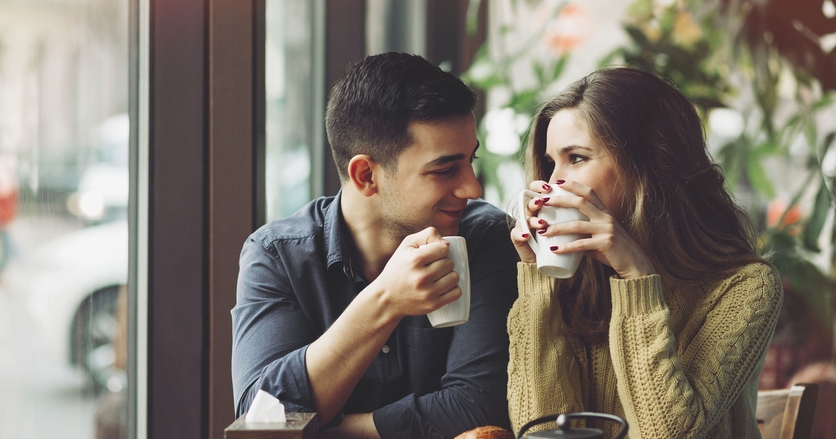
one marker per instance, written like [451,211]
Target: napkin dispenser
[265,408]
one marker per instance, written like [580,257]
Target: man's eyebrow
[443,160]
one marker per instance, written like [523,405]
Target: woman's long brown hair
[678,209]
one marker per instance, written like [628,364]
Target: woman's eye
[574,158]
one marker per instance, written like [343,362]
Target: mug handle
[522,220]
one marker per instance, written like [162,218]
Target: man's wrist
[383,316]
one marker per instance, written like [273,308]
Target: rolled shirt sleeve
[270,335]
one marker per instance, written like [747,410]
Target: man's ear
[362,173]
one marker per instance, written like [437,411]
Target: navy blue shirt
[296,278]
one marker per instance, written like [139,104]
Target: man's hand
[419,278]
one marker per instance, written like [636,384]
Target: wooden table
[298,426]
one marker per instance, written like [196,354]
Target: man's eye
[442,171]
[473,157]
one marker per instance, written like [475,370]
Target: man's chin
[443,224]
[447,228]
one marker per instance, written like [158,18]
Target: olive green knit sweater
[679,362]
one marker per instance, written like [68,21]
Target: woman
[667,320]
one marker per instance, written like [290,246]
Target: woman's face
[580,158]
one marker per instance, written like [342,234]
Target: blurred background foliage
[504,127]
[762,74]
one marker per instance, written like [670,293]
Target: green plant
[669,43]
[689,44]
[491,71]
[772,42]
[723,54]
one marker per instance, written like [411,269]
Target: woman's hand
[520,236]
[607,241]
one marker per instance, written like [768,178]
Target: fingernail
[546,199]
[541,222]
[537,201]
[553,248]
[541,231]
[546,187]
[560,181]
[525,235]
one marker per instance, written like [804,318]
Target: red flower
[571,28]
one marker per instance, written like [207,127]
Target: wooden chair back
[787,413]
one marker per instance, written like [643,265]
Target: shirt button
[385,349]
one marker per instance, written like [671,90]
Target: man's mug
[458,311]
[561,266]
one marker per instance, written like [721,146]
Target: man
[332,301]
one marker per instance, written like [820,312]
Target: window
[294,111]
[63,224]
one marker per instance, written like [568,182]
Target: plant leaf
[758,178]
[815,224]
[559,66]
[638,36]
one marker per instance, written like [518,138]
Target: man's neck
[371,246]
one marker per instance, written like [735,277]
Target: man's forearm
[356,426]
[337,360]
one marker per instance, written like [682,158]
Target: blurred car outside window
[63,224]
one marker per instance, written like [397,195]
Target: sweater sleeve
[683,393]
[543,376]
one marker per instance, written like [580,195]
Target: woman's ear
[361,173]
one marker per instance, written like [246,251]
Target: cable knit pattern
[680,361]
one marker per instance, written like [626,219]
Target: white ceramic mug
[458,311]
[561,266]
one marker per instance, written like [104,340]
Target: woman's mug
[561,266]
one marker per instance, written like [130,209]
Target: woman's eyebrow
[569,148]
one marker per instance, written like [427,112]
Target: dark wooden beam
[345,42]
[178,227]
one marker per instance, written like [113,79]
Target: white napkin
[265,408]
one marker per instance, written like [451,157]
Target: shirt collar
[334,228]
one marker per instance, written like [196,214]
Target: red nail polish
[541,231]
[546,199]
[541,222]
[547,187]
[525,235]
[560,181]
[553,248]
[537,201]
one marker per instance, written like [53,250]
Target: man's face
[433,179]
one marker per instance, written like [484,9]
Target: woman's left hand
[608,242]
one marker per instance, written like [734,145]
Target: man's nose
[469,187]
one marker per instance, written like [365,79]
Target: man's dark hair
[370,108]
